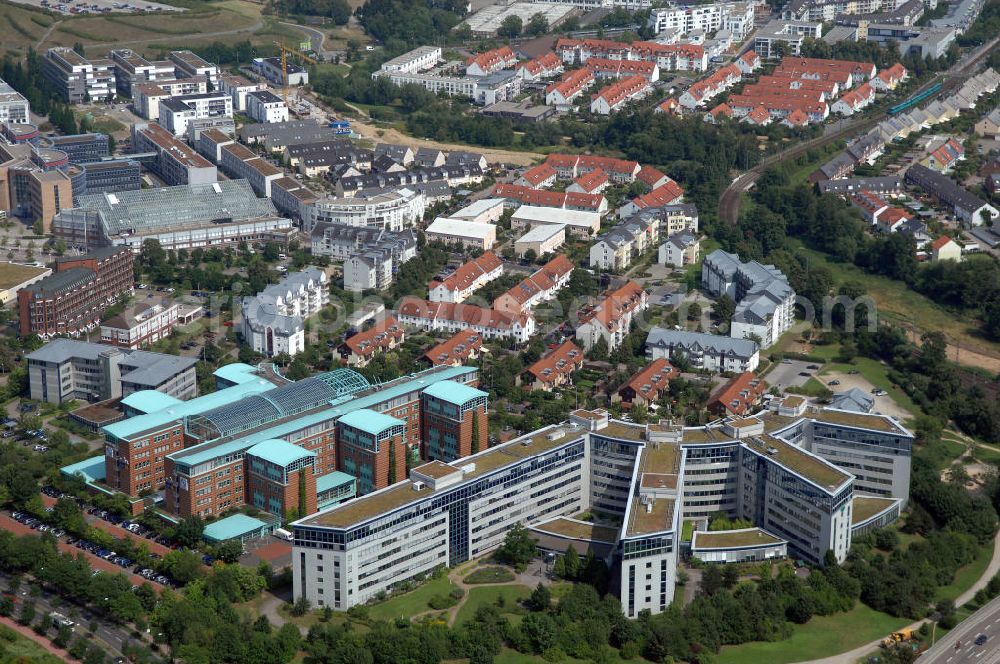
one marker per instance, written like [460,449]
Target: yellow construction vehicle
[897,637]
[285,51]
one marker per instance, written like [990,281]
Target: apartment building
[790,33]
[765,302]
[238,87]
[517,195]
[66,369]
[668,57]
[265,106]
[392,211]
[419,59]
[465,280]
[175,113]
[735,17]
[341,241]
[271,69]
[144,324]
[702,350]
[360,348]
[73,299]
[76,78]
[482,64]
[468,234]
[540,240]
[554,369]
[175,162]
[612,98]
[464,346]
[240,162]
[617,69]
[611,318]
[577,223]
[542,286]
[646,387]
[542,67]
[452,317]
[274,319]
[569,87]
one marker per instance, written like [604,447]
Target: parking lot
[791,373]
[99,6]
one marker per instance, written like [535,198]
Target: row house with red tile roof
[606,68]
[854,101]
[517,195]
[719,113]
[468,278]
[541,176]
[648,385]
[847,72]
[453,317]
[611,318]
[892,220]
[652,177]
[541,286]
[943,152]
[554,369]
[749,62]
[360,349]
[571,166]
[827,89]
[569,87]
[490,61]
[615,96]
[889,79]
[673,57]
[594,182]
[545,66]
[466,345]
[711,86]
[870,205]
[578,51]
[778,107]
[669,105]
[668,193]
[739,396]
[759,117]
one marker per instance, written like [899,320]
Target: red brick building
[281,478]
[370,446]
[72,300]
[454,421]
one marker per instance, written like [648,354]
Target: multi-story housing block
[765,301]
[273,320]
[77,79]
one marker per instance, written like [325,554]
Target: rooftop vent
[418,486]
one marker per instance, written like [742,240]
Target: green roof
[454,392]
[279,452]
[140,423]
[149,401]
[92,469]
[236,373]
[331,480]
[370,421]
[207,451]
[231,527]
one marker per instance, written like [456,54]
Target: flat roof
[435,469]
[149,401]
[732,539]
[231,527]
[656,518]
[553,215]
[463,228]
[237,373]
[14,274]
[454,392]
[279,452]
[375,505]
[333,480]
[92,469]
[542,232]
[577,529]
[809,466]
[865,507]
[860,420]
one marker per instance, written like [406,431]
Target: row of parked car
[37,524]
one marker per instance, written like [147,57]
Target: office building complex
[76,78]
[274,319]
[13,105]
[176,112]
[181,217]
[771,469]
[265,106]
[175,162]
[34,183]
[65,369]
[73,299]
[143,325]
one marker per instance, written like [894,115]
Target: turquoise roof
[332,480]
[92,469]
[347,404]
[236,373]
[140,423]
[453,392]
[279,452]
[369,420]
[231,527]
[149,401]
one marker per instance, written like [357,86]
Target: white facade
[264,106]
[176,112]
[419,59]
[274,320]
[765,302]
[736,17]
[469,234]
[392,211]
[144,328]
[706,351]
[13,105]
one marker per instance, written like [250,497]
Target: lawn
[968,575]
[488,595]
[687,531]
[22,649]
[811,388]
[820,637]
[508,656]
[413,602]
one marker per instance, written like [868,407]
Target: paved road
[959,647]
[785,375]
[729,201]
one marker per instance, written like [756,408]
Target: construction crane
[284,66]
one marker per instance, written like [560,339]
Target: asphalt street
[959,646]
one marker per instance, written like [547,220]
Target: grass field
[412,602]
[488,595]
[17,648]
[12,274]
[820,637]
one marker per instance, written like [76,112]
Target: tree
[229,551]
[510,27]
[724,308]
[537,25]
[300,607]
[475,432]
[518,549]
[188,531]
[540,598]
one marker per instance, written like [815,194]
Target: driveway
[787,374]
[884,404]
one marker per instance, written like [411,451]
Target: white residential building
[467,279]
[710,352]
[176,112]
[13,105]
[470,234]
[265,106]
[393,210]
[274,320]
[765,302]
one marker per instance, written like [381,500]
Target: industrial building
[181,217]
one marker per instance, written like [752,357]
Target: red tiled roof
[538,174]
[491,60]
[572,82]
[592,180]
[548,62]
[558,363]
[797,118]
[649,176]
[740,393]
[941,242]
[759,115]
[622,67]
[468,273]
[652,380]
[750,57]
[544,279]
[380,336]
[611,310]
[669,105]
[543,198]
[665,194]
[721,109]
[624,89]
[455,350]
[469,314]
